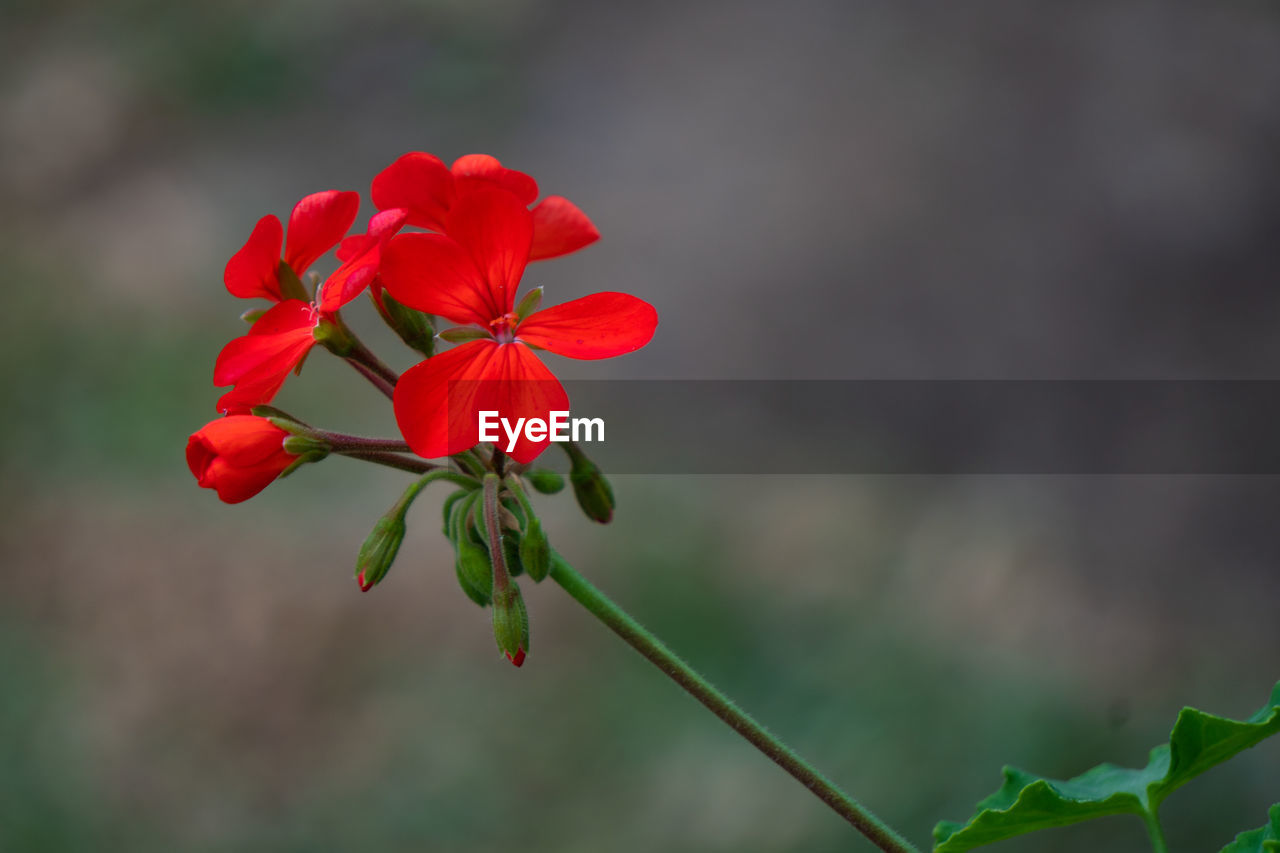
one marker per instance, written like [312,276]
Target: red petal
[433,417]
[239,456]
[251,272]
[519,385]
[601,325]
[476,170]
[276,343]
[559,228]
[316,225]
[420,183]
[382,227]
[432,273]
[241,399]
[438,402]
[496,230]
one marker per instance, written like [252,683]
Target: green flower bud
[511,554]
[511,624]
[447,510]
[475,572]
[590,487]
[535,551]
[379,550]
[543,480]
[413,326]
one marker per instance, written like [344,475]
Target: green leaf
[1027,802]
[1264,839]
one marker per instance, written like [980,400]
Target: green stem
[1154,830]
[340,442]
[391,460]
[682,674]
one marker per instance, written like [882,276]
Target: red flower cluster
[480,233]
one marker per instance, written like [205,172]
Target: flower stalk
[657,653]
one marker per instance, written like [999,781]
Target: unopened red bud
[379,550]
[511,624]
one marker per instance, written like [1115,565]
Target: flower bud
[511,624]
[239,456]
[543,480]
[413,326]
[590,487]
[511,554]
[535,551]
[475,572]
[379,550]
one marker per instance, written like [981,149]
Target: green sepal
[545,481]
[290,285]
[1027,802]
[511,555]
[265,411]
[529,303]
[413,326]
[446,510]
[535,551]
[594,494]
[1264,839]
[511,624]
[253,315]
[304,459]
[462,334]
[302,443]
[380,548]
[333,337]
[475,572]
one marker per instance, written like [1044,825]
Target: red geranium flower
[239,455]
[316,225]
[258,363]
[422,184]
[471,277]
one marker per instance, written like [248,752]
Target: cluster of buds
[478,227]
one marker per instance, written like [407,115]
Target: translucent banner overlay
[933,427]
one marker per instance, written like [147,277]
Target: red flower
[429,190]
[239,455]
[471,277]
[316,225]
[258,363]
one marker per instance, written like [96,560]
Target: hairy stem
[391,460]
[380,382]
[340,442]
[635,635]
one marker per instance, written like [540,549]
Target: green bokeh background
[821,190]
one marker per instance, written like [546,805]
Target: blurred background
[811,190]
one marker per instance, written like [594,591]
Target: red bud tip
[363,586]
[518,659]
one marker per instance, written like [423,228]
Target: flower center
[504,328]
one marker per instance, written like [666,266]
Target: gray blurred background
[804,190]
